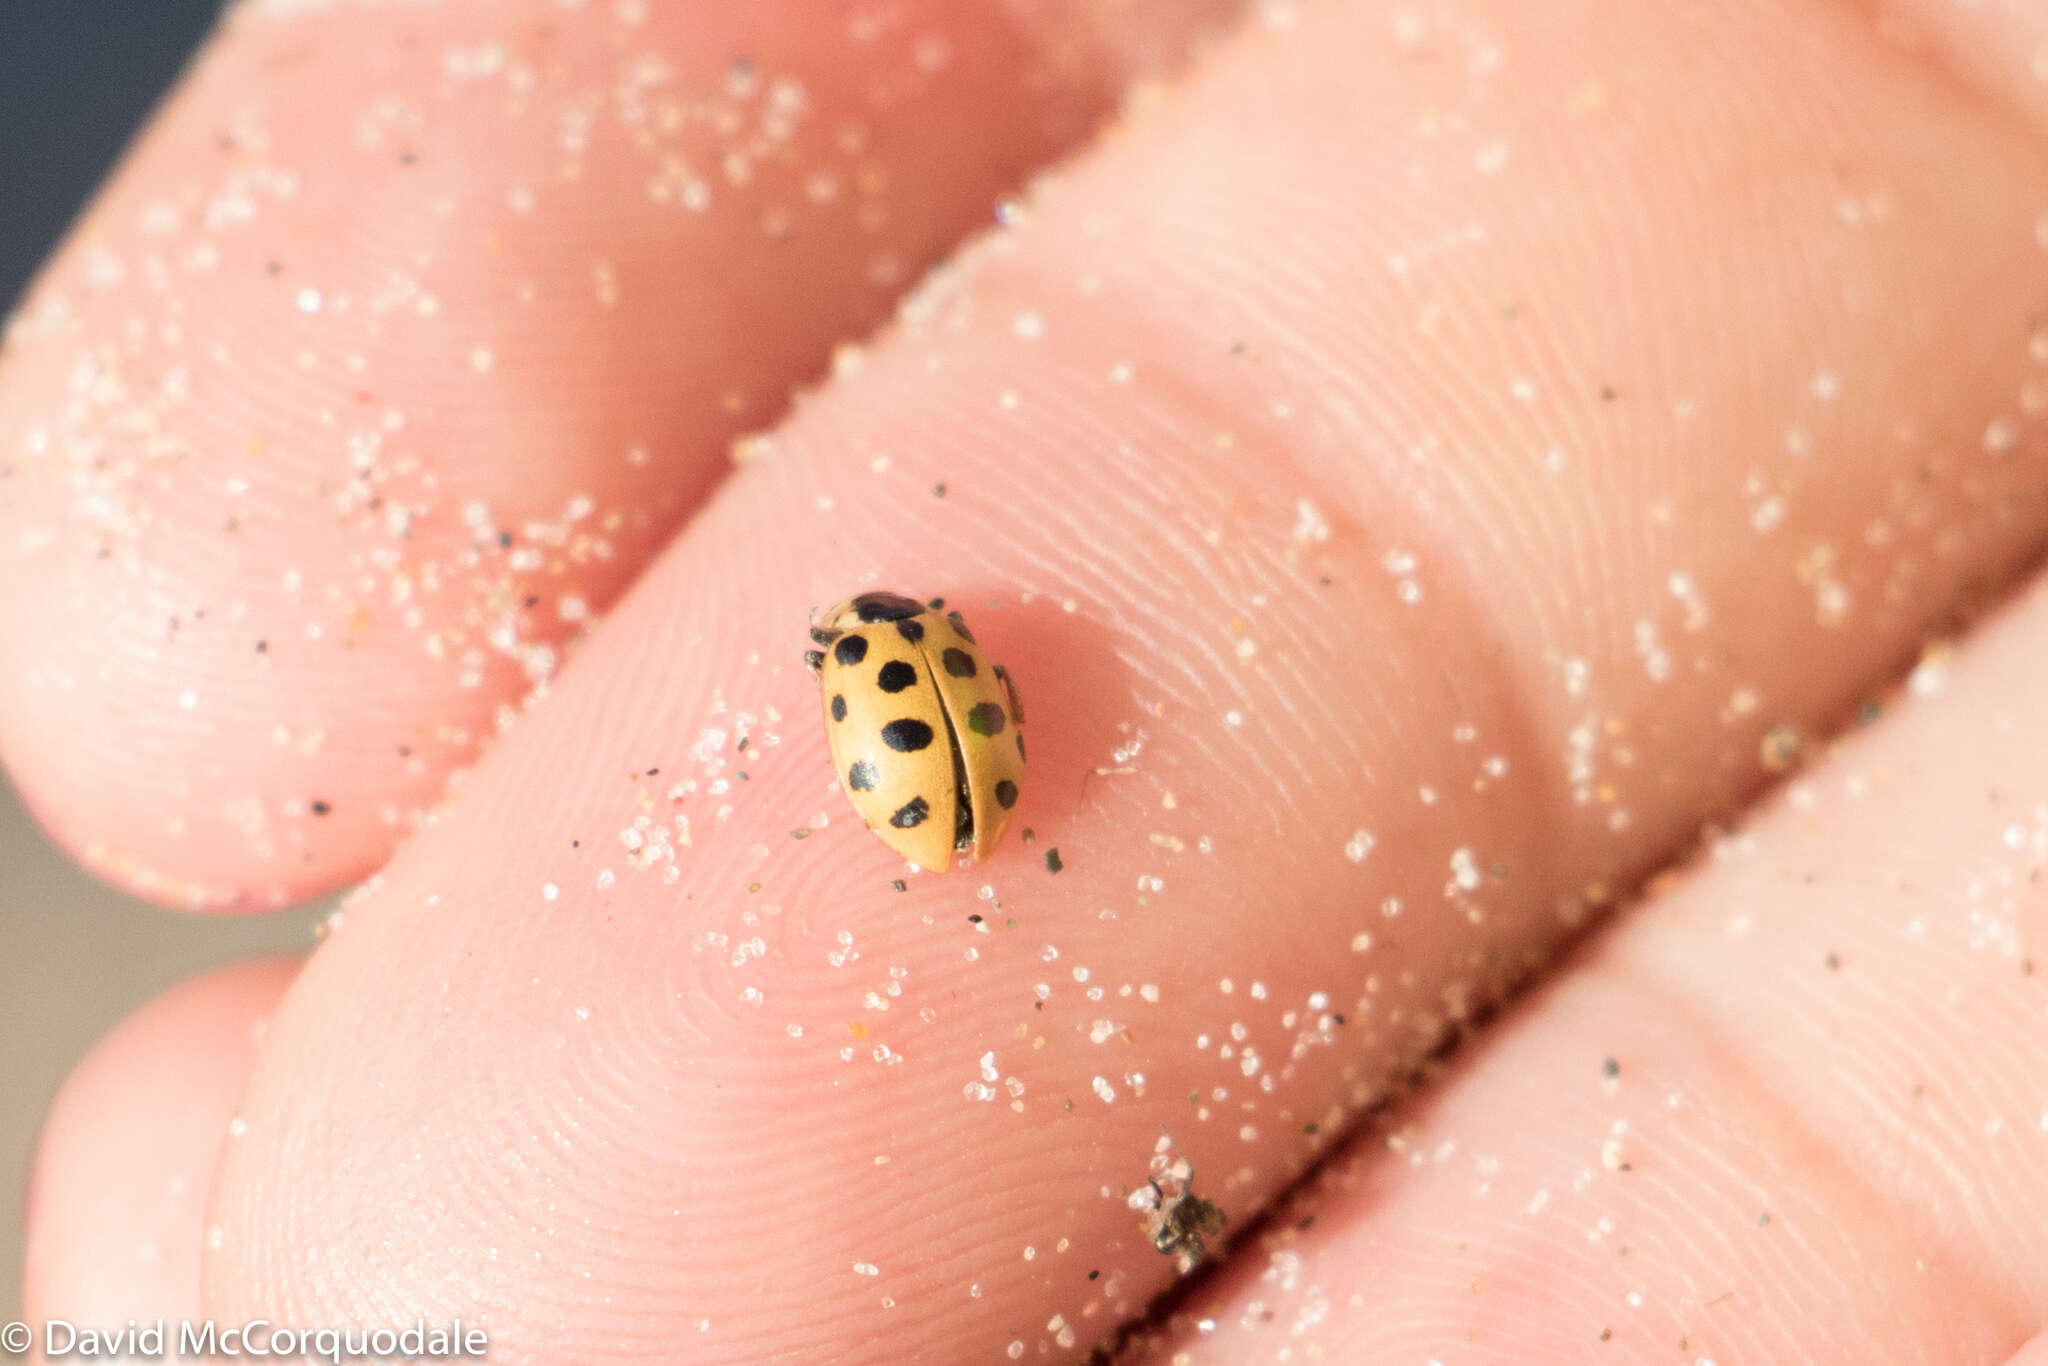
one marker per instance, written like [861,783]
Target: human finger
[1390,578]
[1999,52]
[401,341]
[1789,1110]
[117,1201]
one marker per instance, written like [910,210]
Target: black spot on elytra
[960,627]
[912,631]
[906,736]
[958,662]
[838,706]
[1020,744]
[895,676]
[1006,794]
[862,777]
[850,650]
[985,718]
[911,813]
[885,607]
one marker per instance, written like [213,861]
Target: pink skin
[1826,1096]
[372,295]
[624,1093]
[119,1191]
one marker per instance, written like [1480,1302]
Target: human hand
[1421,470]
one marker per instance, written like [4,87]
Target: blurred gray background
[76,78]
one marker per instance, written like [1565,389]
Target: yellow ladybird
[927,737]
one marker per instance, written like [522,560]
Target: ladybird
[927,737]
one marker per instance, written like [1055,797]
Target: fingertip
[117,1195]
[405,337]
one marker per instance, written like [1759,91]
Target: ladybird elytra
[926,736]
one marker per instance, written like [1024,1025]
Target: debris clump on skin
[1781,747]
[1178,1222]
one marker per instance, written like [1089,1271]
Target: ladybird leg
[1010,688]
[814,660]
